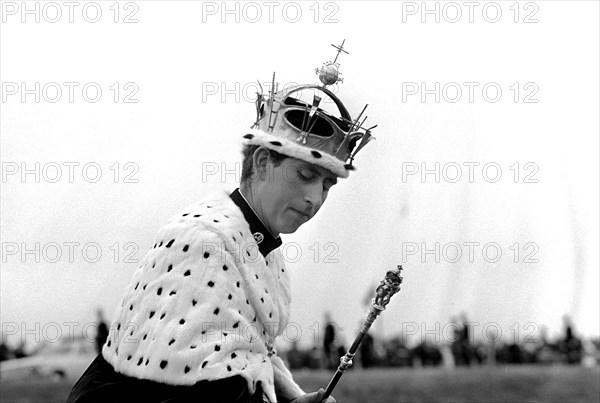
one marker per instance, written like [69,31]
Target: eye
[306,176]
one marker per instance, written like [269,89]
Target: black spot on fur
[151,314]
[170,268]
[216,311]
[316,154]
[159,291]
[182,321]
[249,136]
[187,369]
[186,247]
[204,364]
[225,267]
[211,284]
[163,364]
[187,273]
[206,255]
[276,143]
[217,348]
[170,243]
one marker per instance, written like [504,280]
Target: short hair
[247,162]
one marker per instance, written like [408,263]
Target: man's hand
[314,397]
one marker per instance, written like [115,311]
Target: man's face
[292,193]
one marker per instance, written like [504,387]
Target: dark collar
[266,242]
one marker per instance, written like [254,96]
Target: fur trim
[295,150]
[203,304]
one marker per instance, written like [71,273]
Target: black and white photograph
[300,201]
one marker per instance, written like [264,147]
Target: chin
[290,229]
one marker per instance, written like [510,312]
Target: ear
[260,160]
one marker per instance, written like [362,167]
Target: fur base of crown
[295,150]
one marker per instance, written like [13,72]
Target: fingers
[319,397]
[314,397]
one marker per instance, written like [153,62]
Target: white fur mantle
[203,303]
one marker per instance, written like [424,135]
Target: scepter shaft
[388,287]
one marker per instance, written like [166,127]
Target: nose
[313,197]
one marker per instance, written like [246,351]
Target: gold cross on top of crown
[340,49]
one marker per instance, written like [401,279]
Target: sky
[482,181]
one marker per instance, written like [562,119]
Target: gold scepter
[389,286]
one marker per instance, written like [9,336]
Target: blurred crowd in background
[459,348]
[462,349]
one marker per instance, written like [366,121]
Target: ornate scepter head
[389,286]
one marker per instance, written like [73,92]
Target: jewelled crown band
[286,124]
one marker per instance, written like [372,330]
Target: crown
[291,126]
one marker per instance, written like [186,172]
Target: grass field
[477,384]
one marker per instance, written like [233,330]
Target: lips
[305,215]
